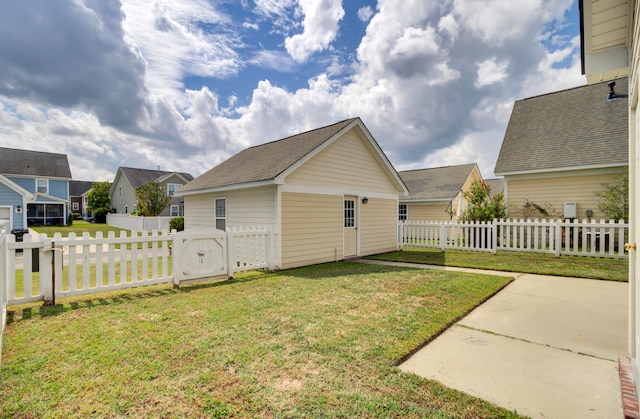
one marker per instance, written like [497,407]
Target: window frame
[349,213]
[75,206]
[220,217]
[402,214]
[46,186]
[176,186]
[177,210]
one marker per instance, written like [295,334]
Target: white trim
[15,187]
[168,175]
[37,188]
[215,212]
[11,210]
[233,187]
[425,200]
[171,207]
[175,189]
[610,166]
[38,177]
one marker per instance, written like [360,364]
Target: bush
[100,215]
[176,223]
[76,216]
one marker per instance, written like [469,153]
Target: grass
[79,227]
[321,341]
[571,266]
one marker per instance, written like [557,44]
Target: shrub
[176,223]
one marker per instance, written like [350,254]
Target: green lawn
[573,266]
[78,227]
[321,341]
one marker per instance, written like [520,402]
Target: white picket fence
[98,264]
[138,223]
[557,237]
[4,274]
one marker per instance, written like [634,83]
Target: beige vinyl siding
[198,211]
[311,229]
[436,211]
[378,226]
[609,23]
[348,164]
[557,191]
[250,207]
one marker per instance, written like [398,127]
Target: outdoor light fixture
[19,208]
[365,200]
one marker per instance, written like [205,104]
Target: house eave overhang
[227,188]
[48,198]
[16,188]
[425,201]
[564,169]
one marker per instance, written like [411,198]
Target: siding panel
[378,226]
[311,229]
[423,212]
[347,163]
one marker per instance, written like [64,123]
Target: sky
[185,84]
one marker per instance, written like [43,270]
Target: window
[174,211]
[75,206]
[221,213]
[119,191]
[402,212]
[349,213]
[172,188]
[42,185]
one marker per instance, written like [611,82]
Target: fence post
[45,254]
[230,254]
[443,237]
[494,236]
[558,237]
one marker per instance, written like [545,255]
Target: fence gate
[199,254]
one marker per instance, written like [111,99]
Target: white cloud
[490,72]
[365,13]
[321,24]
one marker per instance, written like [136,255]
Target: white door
[634,229]
[350,224]
[199,254]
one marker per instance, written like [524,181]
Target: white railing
[251,248]
[557,237]
[93,264]
[138,223]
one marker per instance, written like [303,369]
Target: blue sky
[186,84]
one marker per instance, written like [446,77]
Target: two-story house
[78,190]
[128,179]
[34,188]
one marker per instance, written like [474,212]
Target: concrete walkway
[546,347]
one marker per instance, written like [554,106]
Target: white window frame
[46,186]
[349,213]
[220,216]
[75,206]
[403,215]
[119,191]
[175,186]
[177,211]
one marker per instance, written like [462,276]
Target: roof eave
[226,188]
[562,169]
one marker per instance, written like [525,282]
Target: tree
[614,199]
[482,205]
[98,201]
[152,199]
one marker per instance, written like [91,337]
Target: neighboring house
[561,147]
[34,188]
[330,194]
[128,179]
[78,190]
[610,35]
[437,193]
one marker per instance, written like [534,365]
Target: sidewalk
[544,346]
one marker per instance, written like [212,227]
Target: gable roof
[496,185]
[34,163]
[574,128]
[268,161]
[438,183]
[138,177]
[78,187]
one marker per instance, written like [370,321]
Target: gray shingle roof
[570,128]
[34,163]
[436,183]
[496,185]
[138,177]
[266,161]
[78,187]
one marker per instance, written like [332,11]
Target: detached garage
[330,194]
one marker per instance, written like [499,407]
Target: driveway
[546,347]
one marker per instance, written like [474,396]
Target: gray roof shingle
[78,187]
[266,161]
[138,177]
[34,163]
[570,128]
[436,183]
